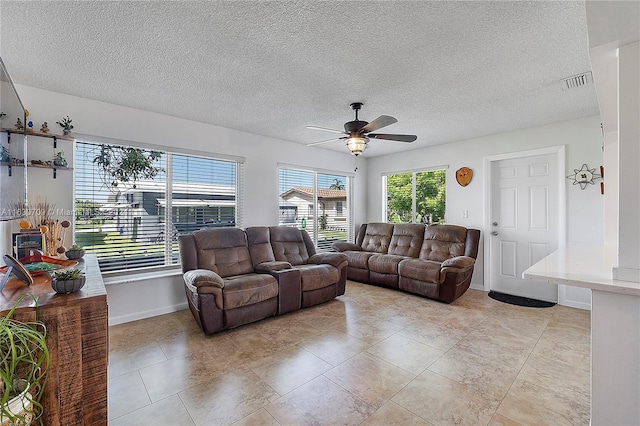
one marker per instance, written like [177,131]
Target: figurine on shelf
[2,115]
[44,128]
[59,160]
[30,125]
[66,125]
[19,125]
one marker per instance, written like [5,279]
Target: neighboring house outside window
[136,225]
[320,218]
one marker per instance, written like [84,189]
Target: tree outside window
[430,197]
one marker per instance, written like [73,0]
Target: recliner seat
[233,277]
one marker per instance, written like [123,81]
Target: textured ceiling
[446,70]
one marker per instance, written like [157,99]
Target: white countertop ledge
[581,265]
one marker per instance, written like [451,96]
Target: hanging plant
[123,165]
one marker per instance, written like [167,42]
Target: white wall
[127,124]
[583,140]
[161,295]
[628,158]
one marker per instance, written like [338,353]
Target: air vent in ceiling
[576,81]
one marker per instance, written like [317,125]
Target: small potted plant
[59,159]
[68,281]
[5,157]
[75,252]
[23,368]
[66,125]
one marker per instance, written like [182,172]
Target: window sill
[131,277]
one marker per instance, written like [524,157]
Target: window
[416,197]
[317,214]
[132,225]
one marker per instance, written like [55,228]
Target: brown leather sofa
[435,261]
[234,277]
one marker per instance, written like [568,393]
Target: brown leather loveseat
[435,261]
[233,277]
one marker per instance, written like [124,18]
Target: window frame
[413,172]
[316,204]
[166,222]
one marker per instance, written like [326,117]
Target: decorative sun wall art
[584,176]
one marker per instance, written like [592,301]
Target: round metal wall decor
[584,176]
[464,175]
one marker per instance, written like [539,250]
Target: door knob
[494,233]
[495,223]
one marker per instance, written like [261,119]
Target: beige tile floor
[372,357]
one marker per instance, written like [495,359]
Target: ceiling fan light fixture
[359,132]
[357,144]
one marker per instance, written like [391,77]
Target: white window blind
[136,224]
[315,202]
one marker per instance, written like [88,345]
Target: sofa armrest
[344,246]
[268,267]
[289,290]
[462,262]
[456,265]
[203,278]
[338,260]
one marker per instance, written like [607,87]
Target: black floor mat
[520,301]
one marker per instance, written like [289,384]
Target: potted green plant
[24,361]
[75,252]
[59,159]
[5,157]
[68,281]
[120,164]
[66,125]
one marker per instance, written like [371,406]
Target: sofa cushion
[318,276]
[406,239]
[288,245]
[377,237]
[385,263]
[442,242]
[259,245]
[421,270]
[358,259]
[243,290]
[224,251]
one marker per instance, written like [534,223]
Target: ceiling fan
[358,132]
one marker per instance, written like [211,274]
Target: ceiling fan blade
[399,138]
[328,140]
[378,123]
[325,129]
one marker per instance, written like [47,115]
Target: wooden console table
[77,338]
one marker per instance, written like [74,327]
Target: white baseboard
[147,314]
[577,305]
[477,287]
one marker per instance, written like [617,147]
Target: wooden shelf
[48,166]
[40,134]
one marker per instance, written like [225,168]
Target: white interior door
[524,223]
